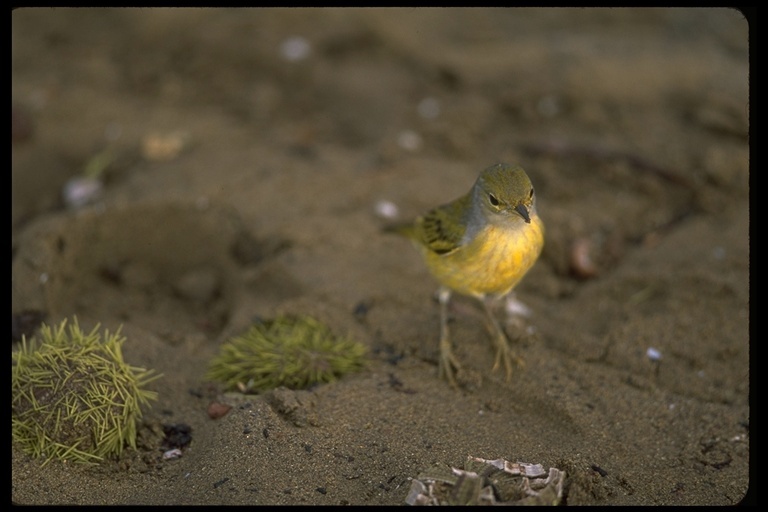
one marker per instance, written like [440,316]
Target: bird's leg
[504,354]
[448,363]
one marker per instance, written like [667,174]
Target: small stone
[295,48]
[163,148]
[218,410]
[386,210]
[653,354]
[81,191]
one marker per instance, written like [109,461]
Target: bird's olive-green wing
[442,229]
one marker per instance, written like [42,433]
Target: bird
[480,245]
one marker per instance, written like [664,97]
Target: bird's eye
[531,196]
[492,199]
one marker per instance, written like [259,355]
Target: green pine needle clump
[74,397]
[292,351]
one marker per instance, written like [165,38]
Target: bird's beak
[523,211]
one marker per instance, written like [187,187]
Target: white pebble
[295,48]
[514,307]
[386,209]
[410,140]
[653,354]
[80,191]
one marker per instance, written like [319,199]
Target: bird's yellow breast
[493,262]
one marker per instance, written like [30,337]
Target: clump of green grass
[74,397]
[292,351]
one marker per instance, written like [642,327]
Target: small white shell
[173,453]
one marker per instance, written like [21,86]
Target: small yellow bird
[481,245]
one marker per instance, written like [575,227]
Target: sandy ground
[245,155]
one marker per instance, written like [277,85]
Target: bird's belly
[493,263]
